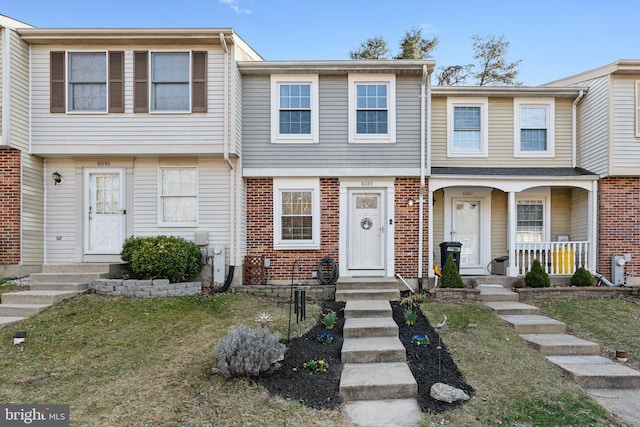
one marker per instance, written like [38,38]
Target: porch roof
[514,172]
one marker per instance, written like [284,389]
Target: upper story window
[372,108]
[467,127]
[178,193]
[296,213]
[533,127]
[86,82]
[294,108]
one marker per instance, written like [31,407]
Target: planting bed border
[145,288]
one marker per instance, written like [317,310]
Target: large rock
[447,393]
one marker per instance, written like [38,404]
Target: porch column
[512,270]
[592,225]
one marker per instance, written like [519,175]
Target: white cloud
[235,6]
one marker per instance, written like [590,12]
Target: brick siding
[406,229]
[10,206]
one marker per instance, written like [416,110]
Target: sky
[553,39]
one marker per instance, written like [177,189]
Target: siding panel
[593,126]
[625,146]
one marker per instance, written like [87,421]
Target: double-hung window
[533,127]
[296,207]
[87,82]
[178,196]
[294,108]
[170,81]
[372,115]
[530,221]
[467,134]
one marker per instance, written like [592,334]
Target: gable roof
[620,67]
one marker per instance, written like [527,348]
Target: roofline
[507,91]
[336,66]
[621,66]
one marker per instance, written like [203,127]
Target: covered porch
[506,218]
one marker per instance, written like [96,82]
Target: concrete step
[9,320]
[37,297]
[85,267]
[370,327]
[595,372]
[534,324]
[67,277]
[368,294]
[496,293]
[59,286]
[351,283]
[561,345]
[511,307]
[373,350]
[367,308]
[21,310]
[393,412]
[377,381]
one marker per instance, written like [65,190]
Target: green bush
[162,257]
[582,277]
[450,275]
[248,352]
[537,277]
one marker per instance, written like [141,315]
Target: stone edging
[315,292]
[577,292]
[145,288]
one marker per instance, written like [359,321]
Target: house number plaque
[366,223]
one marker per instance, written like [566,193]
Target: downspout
[227,162]
[6,86]
[425,99]
[574,126]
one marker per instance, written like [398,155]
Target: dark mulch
[429,365]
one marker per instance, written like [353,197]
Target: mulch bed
[429,364]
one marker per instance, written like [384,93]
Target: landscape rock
[447,393]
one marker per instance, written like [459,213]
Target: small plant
[324,338]
[414,300]
[410,316]
[248,352]
[537,277]
[318,365]
[420,340]
[263,319]
[451,277]
[329,319]
[582,277]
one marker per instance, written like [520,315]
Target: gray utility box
[499,266]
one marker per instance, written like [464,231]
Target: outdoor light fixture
[409,202]
[57,178]
[19,337]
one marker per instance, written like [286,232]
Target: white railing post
[557,258]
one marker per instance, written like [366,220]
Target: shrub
[162,257]
[248,352]
[582,277]
[537,277]
[450,275]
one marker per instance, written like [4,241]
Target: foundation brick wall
[10,206]
[619,223]
[406,229]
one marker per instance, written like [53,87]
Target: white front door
[367,232]
[105,213]
[466,230]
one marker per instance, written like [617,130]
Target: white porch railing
[557,258]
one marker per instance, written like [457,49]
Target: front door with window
[367,232]
[466,230]
[104,210]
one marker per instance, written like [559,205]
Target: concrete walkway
[613,385]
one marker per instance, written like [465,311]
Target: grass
[7,286]
[137,362]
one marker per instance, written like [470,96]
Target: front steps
[376,384]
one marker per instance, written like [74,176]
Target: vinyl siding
[593,126]
[499,224]
[625,154]
[579,221]
[3,34]
[126,133]
[333,150]
[32,214]
[63,204]
[560,213]
[19,93]
[501,137]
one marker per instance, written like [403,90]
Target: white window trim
[549,103]
[297,184]
[637,86]
[545,196]
[150,87]
[161,222]
[483,103]
[390,81]
[67,81]
[276,136]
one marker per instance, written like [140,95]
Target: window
[170,81]
[296,207]
[530,221]
[178,196]
[533,127]
[372,108]
[467,134]
[294,109]
[86,82]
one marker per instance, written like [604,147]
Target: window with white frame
[294,108]
[296,213]
[170,82]
[178,195]
[467,129]
[530,221]
[372,108]
[87,82]
[533,127]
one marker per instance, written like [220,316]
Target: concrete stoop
[377,381]
[561,345]
[597,372]
[366,289]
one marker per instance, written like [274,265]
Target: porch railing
[557,258]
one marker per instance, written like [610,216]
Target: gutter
[574,128]
[425,157]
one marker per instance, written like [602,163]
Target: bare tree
[492,67]
[414,46]
[375,48]
[453,75]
